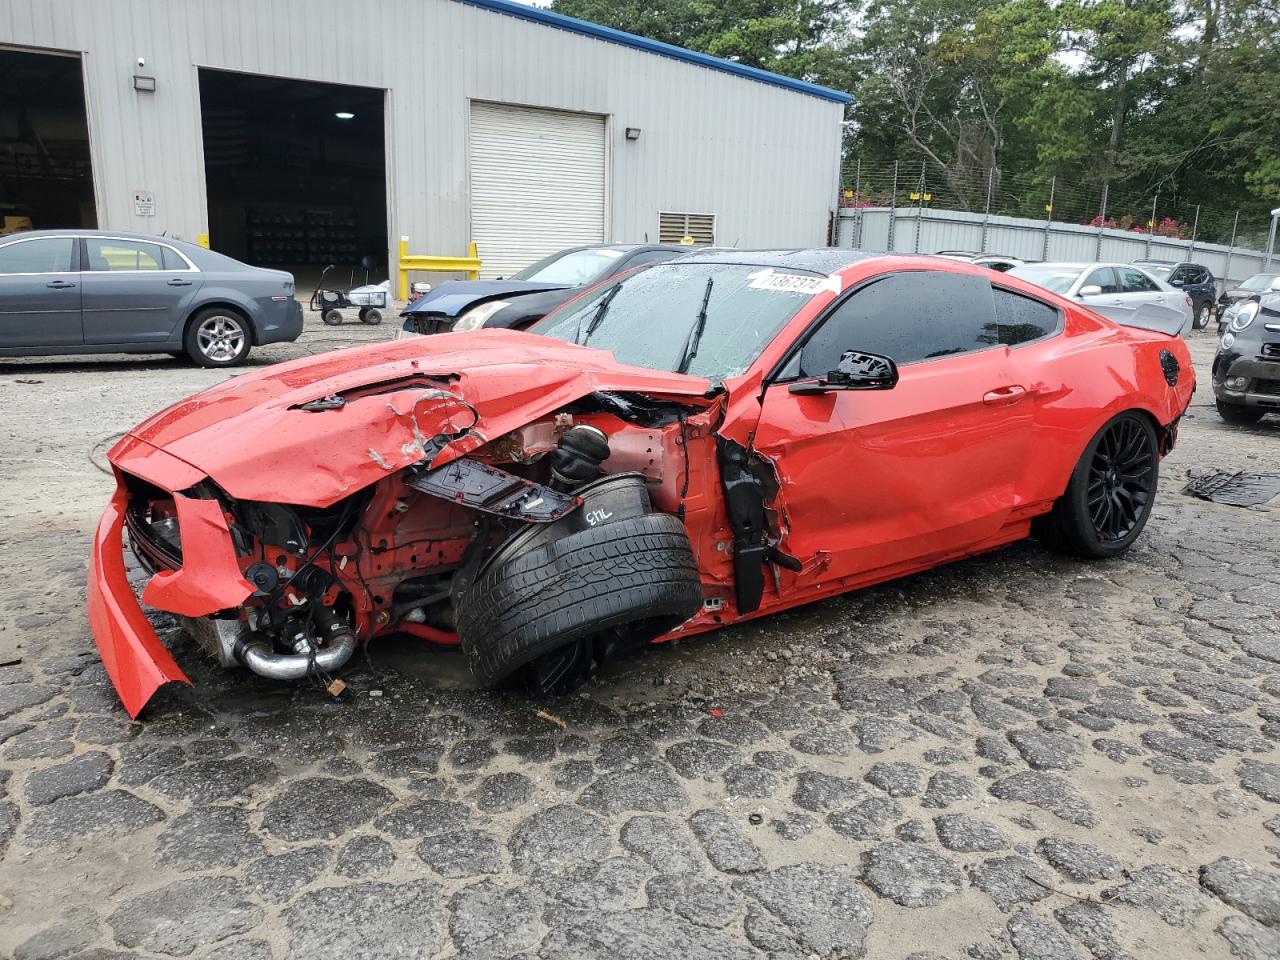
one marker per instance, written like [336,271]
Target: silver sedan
[1119,291]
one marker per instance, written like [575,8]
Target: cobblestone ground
[1015,756]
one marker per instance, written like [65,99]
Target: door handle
[175,282]
[60,284]
[1002,396]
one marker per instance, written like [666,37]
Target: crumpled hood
[455,297]
[251,437]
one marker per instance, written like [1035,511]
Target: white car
[1119,291]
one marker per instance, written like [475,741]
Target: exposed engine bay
[404,554]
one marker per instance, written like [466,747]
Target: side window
[1135,281]
[46,255]
[1022,319]
[109,255]
[1184,274]
[172,261]
[1103,277]
[907,317]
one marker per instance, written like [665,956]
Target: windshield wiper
[601,308]
[695,333]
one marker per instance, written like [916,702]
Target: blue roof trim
[573,25]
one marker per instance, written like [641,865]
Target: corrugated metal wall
[762,158]
[934,230]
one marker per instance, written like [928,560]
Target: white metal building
[297,131]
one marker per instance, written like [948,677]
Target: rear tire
[559,610]
[217,337]
[1238,413]
[332,317]
[1202,317]
[1110,494]
[371,316]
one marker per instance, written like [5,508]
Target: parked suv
[1194,278]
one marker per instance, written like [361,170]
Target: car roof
[1079,264]
[623,247]
[118,234]
[823,260]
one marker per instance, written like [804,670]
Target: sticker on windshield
[802,283]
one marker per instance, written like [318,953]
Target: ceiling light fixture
[345,115]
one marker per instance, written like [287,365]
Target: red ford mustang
[708,440]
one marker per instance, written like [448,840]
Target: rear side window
[112,255]
[1103,277]
[45,255]
[908,317]
[1135,281]
[172,261]
[1022,319]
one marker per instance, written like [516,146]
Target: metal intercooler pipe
[339,643]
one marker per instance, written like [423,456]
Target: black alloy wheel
[1110,493]
[1121,480]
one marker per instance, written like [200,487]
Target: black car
[1195,279]
[1246,369]
[526,297]
[1250,289]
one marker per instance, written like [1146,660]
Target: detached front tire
[555,612]
[1110,494]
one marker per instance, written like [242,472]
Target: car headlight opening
[474,318]
[1228,339]
[1244,315]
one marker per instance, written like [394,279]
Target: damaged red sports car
[712,439]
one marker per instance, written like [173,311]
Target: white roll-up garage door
[537,184]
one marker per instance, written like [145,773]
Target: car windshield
[1259,281]
[574,268]
[1058,279]
[647,322]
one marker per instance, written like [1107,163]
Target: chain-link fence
[914,183]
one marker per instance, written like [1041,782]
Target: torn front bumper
[206,581]
[136,661]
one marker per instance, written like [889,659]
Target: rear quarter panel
[252,294]
[1083,378]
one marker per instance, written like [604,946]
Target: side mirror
[856,371]
[1092,290]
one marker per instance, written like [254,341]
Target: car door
[40,293]
[878,478]
[134,290]
[1109,301]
